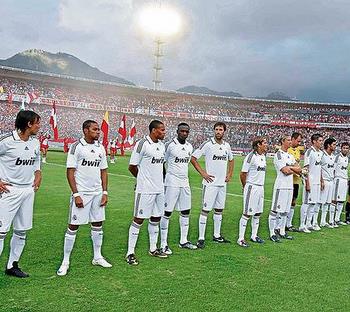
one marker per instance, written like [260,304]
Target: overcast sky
[300,47]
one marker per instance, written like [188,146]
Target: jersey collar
[83,142]
[15,135]
[148,138]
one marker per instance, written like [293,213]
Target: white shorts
[91,212]
[282,200]
[327,192]
[213,197]
[253,199]
[314,196]
[16,207]
[178,198]
[148,205]
[340,190]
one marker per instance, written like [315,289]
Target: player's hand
[322,185]
[37,182]
[228,178]
[207,177]
[3,187]
[104,200]
[78,202]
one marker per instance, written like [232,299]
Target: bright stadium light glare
[160,21]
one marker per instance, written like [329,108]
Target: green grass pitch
[307,274]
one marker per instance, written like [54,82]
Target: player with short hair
[252,177]
[177,188]
[20,178]
[327,166]
[312,185]
[218,172]
[146,165]
[295,150]
[87,178]
[341,164]
[285,166]
[113,150]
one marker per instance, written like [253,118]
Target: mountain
[204,90]
[278,96]
[59,63]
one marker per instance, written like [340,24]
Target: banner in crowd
[294,123]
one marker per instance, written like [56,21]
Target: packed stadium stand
[80,99]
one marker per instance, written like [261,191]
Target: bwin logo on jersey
[343,168]
[91,163]
[215,157]
[317,163]
[25,162]
[184,160]
[157,160]
[260,168]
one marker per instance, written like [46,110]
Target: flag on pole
[105,129]
[132,132]
[122,129]
[53,121]
[32,96]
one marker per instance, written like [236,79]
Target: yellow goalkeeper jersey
[296,152]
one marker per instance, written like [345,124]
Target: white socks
[202,224]
[69,239]
[272,222]
[310,215]
[184,226]
[290,217]
[283,222]
[134,231]
[255,226]
[217,217]
[17,244]
[97,238]
[153,231]
[324,214]
[315,215]
[242,227]
[331,213]
[338,211]
[164,226]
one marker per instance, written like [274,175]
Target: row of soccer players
[87,177]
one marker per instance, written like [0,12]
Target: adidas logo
[220,148]
[26,148]
[157,149]
[183,148]
[92,151]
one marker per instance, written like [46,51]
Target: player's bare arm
[3,187]
[207,177]
[37,180]
[230,170]
[134,170]
[286,170]
[243,178]
[73,186]
[104,180]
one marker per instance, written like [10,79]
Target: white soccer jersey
[216,158]
[341,166]
[177,157]
[280,160]
[255,166]
[312,159]
[327,166]
[88,160]
[149,157]
[18,159]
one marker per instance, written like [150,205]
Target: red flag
[31,96]
[131,137]
[53,121]
[105,129]
[122,128]
[10,97]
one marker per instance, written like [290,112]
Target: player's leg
[184,218]
[22,222]
[273,216]
[257,210]
[332,214]
[219,205]
[157,210]
[44,153]
[338,212]
[171,195]
[347,210]
[247,211]
[290,215]
[285,201]
[315,225]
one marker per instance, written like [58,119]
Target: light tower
[161,23]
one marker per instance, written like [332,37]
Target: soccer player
[177,188]
[20,178]
[44,146]
[87,178]
[285,166]
[113,150]
[146,165]
[312,185]
[327,166]
[340,181]
[294,150]
[218,156]
[252,177]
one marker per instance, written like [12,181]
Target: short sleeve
[137,153]
[247,163]
[278,161]
[72,159]
[104,164]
